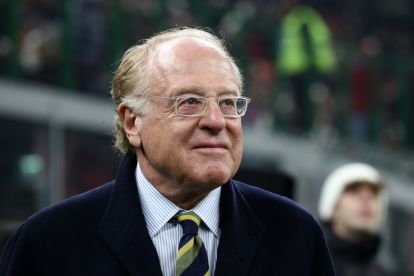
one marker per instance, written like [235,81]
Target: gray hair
[131,79]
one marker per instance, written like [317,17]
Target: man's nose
[213,118]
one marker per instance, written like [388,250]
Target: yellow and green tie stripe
[192,256]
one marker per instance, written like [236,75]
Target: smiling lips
[211,147]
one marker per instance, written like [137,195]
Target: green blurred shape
[293,57]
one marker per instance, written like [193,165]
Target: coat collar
[123,225]
[241,232]
[124,230]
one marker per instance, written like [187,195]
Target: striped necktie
[192,256]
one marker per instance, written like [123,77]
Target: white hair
[131,79]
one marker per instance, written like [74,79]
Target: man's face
[358,209]
[190,155]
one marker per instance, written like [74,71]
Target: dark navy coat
[103,232]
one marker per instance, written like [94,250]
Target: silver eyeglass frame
[203,100]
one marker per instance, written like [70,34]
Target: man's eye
[228,102]
[190,101]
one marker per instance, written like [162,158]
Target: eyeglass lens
[191,106]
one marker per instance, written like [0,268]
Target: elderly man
[352,206]
[173,208]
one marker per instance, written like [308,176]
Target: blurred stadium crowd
[339,72]
[340,69]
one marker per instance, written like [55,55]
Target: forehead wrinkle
[156,72]
[202,90]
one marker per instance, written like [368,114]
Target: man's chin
[213,172]
[214,178]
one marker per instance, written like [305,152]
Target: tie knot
[190,222]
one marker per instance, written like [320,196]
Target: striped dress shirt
[166,233]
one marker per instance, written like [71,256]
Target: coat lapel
[123,226]
[241,233]
[124,230]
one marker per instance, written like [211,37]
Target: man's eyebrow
[189,90]
[200,91]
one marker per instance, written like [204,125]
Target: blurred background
[331,82]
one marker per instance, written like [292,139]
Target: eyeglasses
[192,106]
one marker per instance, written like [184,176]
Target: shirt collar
[158,210]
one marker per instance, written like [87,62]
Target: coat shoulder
[87,207]
[290,228]
[53,232]
[277,207]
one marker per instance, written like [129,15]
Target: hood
[342,177]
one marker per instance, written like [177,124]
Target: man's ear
[132,125]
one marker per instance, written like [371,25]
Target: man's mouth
[211,147]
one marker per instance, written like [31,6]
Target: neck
[186,203]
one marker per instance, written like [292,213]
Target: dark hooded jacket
[354,258]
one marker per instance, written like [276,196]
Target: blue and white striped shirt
[165,235]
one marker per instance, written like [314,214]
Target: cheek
[356,206]
[154,136]
[347,207]
[238,152]
[236,133]
[375,206]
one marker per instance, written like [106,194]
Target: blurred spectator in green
[304,52]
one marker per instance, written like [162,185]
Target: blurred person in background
[352,206]
[174,208]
